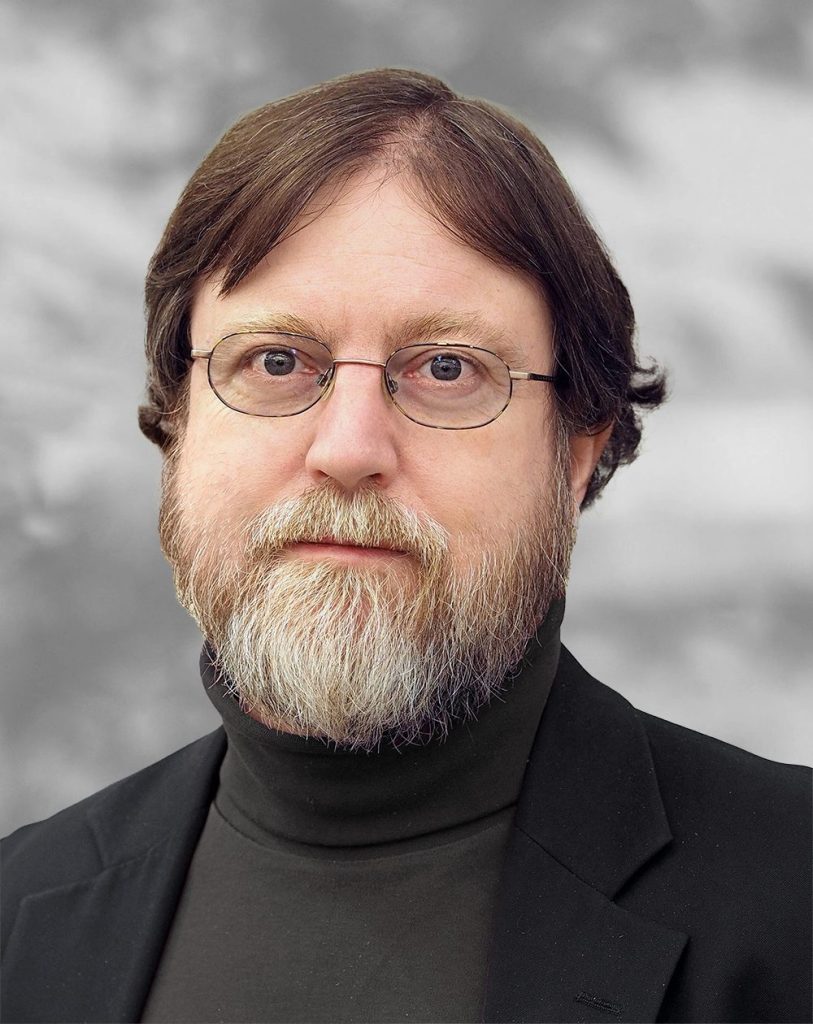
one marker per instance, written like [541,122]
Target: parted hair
[482,173]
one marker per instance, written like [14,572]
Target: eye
[446,367]
[279,362]
[435,369]
[445,373]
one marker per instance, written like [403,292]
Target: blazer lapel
[98,941]
[589,817]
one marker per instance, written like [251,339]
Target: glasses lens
[269,374]
[452,386]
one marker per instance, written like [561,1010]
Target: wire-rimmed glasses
[448,386]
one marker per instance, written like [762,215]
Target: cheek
[233,465]
[481,486]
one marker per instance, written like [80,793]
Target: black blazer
[652,874]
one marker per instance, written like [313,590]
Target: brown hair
[481,172]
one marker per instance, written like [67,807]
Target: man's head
[369,215]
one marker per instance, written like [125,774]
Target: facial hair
[397,649]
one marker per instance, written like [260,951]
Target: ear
[585,451]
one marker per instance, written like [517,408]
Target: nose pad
[327,380]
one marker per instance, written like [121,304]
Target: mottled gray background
[685,127]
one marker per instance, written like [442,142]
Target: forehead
[370,268]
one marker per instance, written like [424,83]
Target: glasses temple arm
[522,375]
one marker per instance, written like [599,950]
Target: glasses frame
[199,353]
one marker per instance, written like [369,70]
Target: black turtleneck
[337,885]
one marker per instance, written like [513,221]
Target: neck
[276,784]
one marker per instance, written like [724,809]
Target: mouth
[338,542]
[344,549]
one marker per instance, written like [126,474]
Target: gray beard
[357,653]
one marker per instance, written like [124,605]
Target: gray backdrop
[686,129]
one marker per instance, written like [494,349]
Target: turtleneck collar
[275,785]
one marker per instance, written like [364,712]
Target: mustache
[365,518]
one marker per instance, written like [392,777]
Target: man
[389,363]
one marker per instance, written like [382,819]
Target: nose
[355,438]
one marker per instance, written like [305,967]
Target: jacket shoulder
[734,872]
[700,778]
[128,816]
[742,830]
[738,872]
[719,786]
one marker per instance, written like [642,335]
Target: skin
[366,263]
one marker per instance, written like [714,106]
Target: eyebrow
[444,324]
[470,328]
[284,323]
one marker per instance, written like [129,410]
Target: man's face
[480,509]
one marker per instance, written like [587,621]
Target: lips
[383,546]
